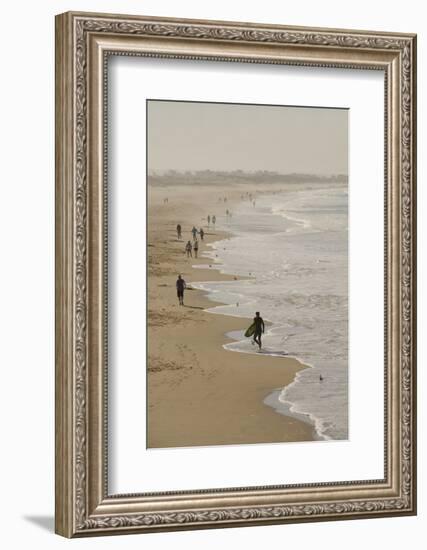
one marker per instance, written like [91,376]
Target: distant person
[213,220]
[202,233]
[227,213]
[180,287]
[178,231]
[194,231]
[259,328]
[196,247]
[188,249]
[209,220]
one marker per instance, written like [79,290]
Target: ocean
[292,247]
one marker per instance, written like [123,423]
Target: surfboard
[250,330]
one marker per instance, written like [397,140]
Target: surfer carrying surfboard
[259,328]
[256,329]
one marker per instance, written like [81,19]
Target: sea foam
[293,249]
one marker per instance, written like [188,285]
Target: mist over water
[293,247]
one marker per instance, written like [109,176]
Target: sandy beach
[198,392]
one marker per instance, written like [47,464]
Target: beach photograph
[247,274]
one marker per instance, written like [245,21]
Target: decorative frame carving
[83,43]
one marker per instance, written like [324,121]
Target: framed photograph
[235,274]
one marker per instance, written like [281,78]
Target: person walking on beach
[180,287]
[259,328]
[178,231]
[209,220]
[188,249]
[202,233]
[194,231]
[196,247]
[213,219]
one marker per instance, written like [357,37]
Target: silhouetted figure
[196,248]
[180,287]
[259,328]
[178,231]
[188,249]
[202,233]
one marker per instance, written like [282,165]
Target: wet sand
[198,392]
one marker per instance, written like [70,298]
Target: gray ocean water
[293,245]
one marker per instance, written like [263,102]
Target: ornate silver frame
[83,42]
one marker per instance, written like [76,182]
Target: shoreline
[197,387]
[272,399]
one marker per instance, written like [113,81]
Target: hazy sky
[201,136]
